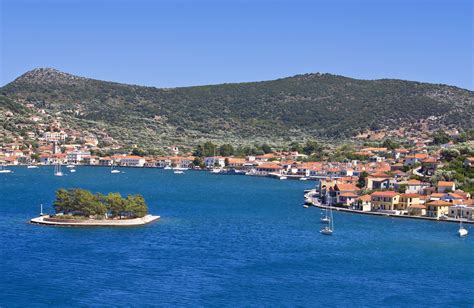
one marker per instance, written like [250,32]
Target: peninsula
[78,207]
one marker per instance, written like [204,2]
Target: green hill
[311,105]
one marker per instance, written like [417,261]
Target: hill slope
[311,105]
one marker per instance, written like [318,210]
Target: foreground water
[222,240]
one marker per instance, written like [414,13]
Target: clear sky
[180,43]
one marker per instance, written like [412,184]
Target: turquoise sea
[221,241]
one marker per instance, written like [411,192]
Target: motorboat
[178,172]
[283,177]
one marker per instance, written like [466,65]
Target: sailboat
[57,170]
[328,218]
[328,230]
[462,231]
[325,219]
[3,170]
[112,170]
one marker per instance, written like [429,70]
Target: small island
[79,207]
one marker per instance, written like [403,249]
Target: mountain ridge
[302,106]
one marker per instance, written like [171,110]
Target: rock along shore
[47,220]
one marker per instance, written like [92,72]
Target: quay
[340,209]
[47,220]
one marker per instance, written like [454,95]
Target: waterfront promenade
[340,209]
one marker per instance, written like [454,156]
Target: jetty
[52,221]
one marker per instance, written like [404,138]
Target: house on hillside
[444,186]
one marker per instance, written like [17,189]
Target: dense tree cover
[454,170]
[440,137]
[390,144]
[81,202]
[311,105]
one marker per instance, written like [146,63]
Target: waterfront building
[461,211]
[213,161]
[267,168]
[76,157]
[132,161]
[407,200]
[417,210]
[364,203]
[384,200]
[437,208]
[105,161]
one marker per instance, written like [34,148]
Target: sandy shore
[46,220]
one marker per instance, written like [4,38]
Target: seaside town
[424,177]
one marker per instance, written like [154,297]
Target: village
[404,180]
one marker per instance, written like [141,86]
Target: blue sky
[182,43]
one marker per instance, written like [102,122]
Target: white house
[76,157]
[132,161]
[211,161]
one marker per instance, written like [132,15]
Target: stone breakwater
[47,220]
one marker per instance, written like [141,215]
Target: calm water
[222,240]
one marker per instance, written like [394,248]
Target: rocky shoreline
[47,220]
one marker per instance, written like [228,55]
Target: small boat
[178,172]
[32,167]
[305,206]
[57,170]
[3,170]
[72,170]
[216,170]
[326,231]
[70,166]
[303,179]
[283,177]
[180,168]
[112,170]
[462,231]
[167,168]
